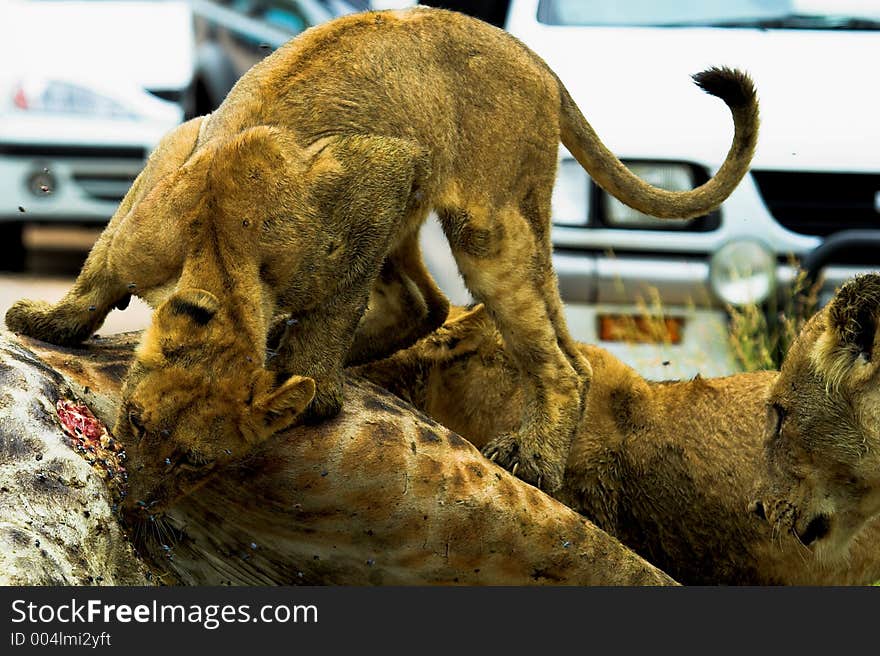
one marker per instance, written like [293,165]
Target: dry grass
[760,335]
[649,326]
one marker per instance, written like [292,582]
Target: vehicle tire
[12,251]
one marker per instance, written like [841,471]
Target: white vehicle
[87,89]
[814,179]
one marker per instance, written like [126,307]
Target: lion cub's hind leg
[505,262]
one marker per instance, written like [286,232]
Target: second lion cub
[303,195]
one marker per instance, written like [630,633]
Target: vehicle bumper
[590,278]
[703,348]
[91,164]
[594,286]
[80,188]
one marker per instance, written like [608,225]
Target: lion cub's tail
[735,88]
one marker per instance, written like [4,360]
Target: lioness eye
[779,413]
[191,460]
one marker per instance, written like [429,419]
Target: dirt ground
[55,256]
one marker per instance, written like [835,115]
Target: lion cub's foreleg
[405,305]
[315,344]
[82,310]
[100,286]
[506,264]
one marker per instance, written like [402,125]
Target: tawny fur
[302,195]
[822,450]
[667,468]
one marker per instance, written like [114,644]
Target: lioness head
[823,427]
[195,401]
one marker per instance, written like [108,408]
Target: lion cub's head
[823,428]
[195,401]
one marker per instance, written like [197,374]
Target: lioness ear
[196,306]
[463,332]
[852,315]
[360,179]
[279,407]
[851,328]
[463,321]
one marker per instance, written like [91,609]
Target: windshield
[768,14]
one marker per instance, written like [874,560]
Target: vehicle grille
[106,178]
[105,185]
[820,203]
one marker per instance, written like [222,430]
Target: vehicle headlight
[63,97]
[672,177]
[743,272]
[571,194]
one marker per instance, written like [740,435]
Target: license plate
[640,329]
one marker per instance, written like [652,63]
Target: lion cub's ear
[180,320]
[192,307]
[848,346]
[276,408]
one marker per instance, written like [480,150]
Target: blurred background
[88,87]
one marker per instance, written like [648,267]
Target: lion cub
[303,195]
[822,447]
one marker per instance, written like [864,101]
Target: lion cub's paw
[534,467]
[35,319]
[326,404]
[24,314]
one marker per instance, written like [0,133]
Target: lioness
[823,440]
[303,195]
[667,468]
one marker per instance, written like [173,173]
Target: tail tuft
[733,86]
